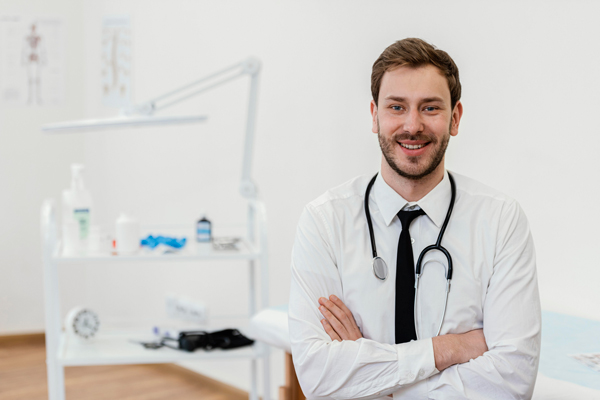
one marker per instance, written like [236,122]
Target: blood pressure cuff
[225,339]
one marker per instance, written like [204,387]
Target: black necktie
[405,281]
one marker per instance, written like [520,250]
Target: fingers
[353,327]
[340,304]
[334,322]
[340,318]
[339,314]
[330,331]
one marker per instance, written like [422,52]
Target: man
[352,333]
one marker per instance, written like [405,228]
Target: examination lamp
[143,114]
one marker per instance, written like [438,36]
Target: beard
[427,165]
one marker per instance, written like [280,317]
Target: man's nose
[414,122]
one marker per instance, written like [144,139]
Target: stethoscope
[380,268]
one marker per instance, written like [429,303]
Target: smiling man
[358,328]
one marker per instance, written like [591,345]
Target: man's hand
[339,322]
[458,348]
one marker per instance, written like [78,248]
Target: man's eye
[396,108]
[430,108]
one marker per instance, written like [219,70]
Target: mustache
[407,136]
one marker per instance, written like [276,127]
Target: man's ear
[375,126]
[456,116]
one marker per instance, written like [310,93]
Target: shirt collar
[435,203]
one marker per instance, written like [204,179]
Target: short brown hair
[413,52]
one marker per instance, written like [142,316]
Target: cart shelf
[191,252]
[121,347]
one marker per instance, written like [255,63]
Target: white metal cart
[115,347]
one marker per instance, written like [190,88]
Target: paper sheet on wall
[116,61]
[592,360]
[32,54]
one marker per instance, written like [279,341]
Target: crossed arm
[333,360]
[448,349]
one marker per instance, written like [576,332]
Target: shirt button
[421,373]
[411,376]
[412,240]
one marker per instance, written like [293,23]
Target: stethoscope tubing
[368,214]
[419,268]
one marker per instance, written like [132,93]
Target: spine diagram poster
[116,61]
[32,56]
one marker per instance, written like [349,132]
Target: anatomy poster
[32,57]
[116,61]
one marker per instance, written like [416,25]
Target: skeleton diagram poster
[116,61]
[32,56]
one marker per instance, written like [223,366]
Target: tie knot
[406,217]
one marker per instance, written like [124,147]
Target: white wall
[34,167]
[529,90]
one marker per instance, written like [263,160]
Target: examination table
[560,377]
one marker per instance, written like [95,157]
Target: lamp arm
[247,186]
[197,82]
[249,66]
[195,93]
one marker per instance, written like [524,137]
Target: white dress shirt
[494,287]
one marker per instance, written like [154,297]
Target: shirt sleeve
[361,369]
[511,323]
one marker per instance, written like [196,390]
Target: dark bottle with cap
[204,230]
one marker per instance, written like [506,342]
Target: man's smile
[413,147]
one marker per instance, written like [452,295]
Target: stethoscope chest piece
[380,268]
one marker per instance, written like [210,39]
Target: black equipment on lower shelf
[192,340]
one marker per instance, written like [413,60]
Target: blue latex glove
[152,241]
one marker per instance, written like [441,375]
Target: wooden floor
[23,377]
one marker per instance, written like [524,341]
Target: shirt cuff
[415,361]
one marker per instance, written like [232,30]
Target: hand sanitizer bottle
[76,214]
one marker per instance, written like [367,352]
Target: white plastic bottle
[127,235]
[76,214]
